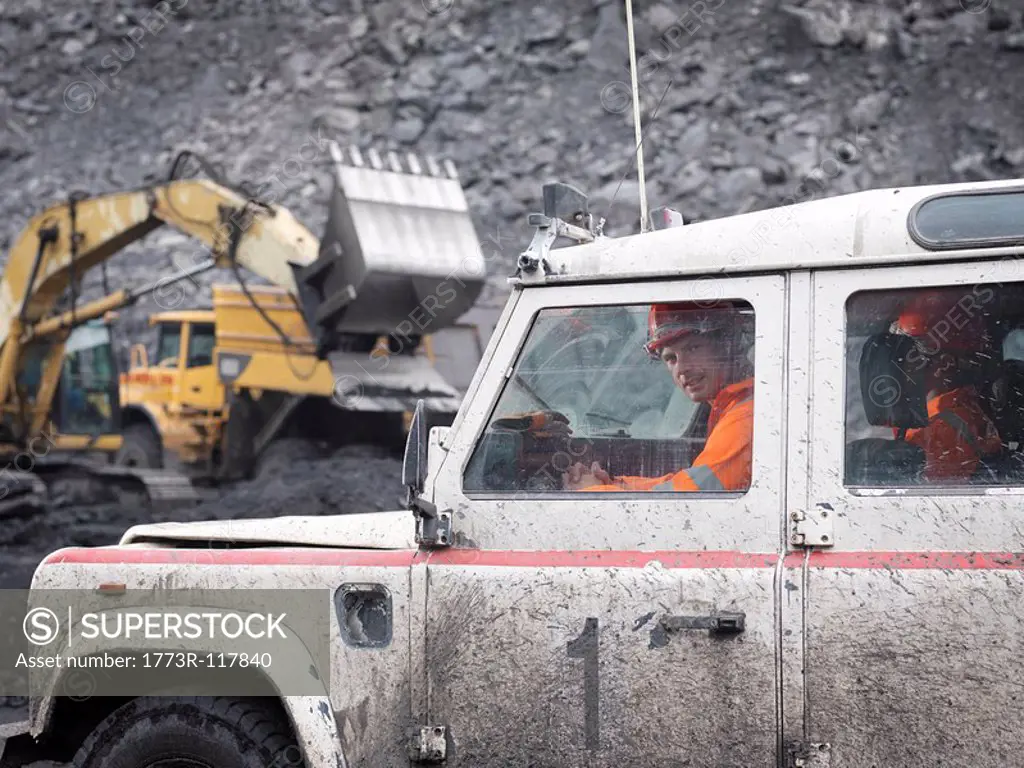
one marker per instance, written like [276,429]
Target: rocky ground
[745,105]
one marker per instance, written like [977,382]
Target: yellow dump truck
[175,409]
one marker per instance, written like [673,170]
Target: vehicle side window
[935,386]
[659,396]
[201,341]
[169,343]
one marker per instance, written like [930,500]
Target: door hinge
[812,528]
[433,527]
[429,745]
[805,754]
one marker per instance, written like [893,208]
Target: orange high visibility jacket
[958,435]
[725,462]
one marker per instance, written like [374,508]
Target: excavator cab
[85,403]
[87,398]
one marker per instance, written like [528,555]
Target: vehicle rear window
[935,386]
[969,220]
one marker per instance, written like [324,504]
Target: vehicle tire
[282,454]
[239,431]
[140,448]
[195,731]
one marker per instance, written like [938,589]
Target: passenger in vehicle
[949,329]
[706,350]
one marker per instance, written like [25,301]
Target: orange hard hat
[668,322]
[944,320]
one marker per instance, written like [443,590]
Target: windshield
[586,390]
[590,365]
[202,340]
[169,344]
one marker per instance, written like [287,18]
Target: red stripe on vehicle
[540,559]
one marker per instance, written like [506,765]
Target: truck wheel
[140,448]
[282,454]
[199,731]
[238,433]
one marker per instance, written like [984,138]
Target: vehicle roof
[856,229]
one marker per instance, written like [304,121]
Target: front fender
[142,412]
[312,720]
[316,731]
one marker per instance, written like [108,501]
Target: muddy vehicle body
[841,610]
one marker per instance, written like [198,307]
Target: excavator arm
[65,241]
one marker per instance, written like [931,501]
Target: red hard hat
[668,322]
[948,319]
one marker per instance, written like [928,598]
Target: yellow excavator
[397,235]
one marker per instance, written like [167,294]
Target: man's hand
[580,476]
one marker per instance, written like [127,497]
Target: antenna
[636,117]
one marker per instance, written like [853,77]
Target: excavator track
[161,486]
[76,481]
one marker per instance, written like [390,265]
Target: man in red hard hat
[951,337]
[707,352]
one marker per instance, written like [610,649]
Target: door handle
[195,389]
[726,623]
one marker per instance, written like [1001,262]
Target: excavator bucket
[399,250]
[399,257]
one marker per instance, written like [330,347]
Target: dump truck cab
[177,404]
[849,599]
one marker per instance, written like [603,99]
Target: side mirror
[414,463]
[433,526]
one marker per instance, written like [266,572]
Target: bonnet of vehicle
[369,530]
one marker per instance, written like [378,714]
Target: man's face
[699,366]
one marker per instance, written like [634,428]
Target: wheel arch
[59,725]
[132,415]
